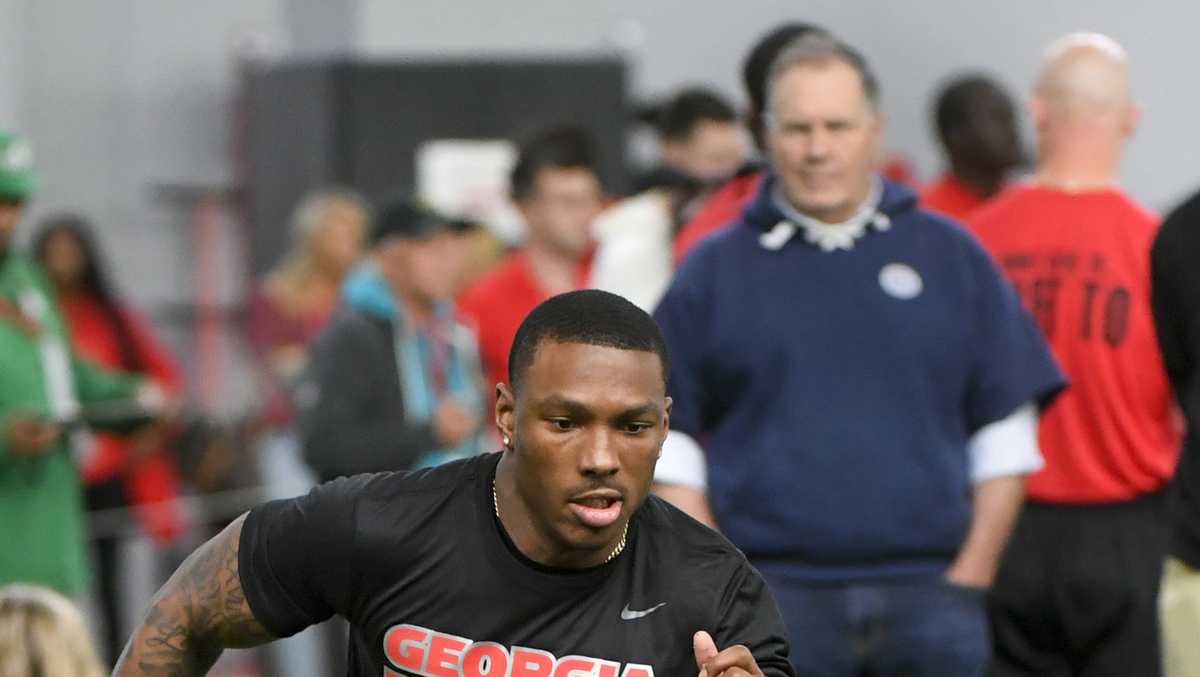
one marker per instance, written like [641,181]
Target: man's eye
[636,428]
[562,423]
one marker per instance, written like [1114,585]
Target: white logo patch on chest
[901,281]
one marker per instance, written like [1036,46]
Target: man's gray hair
[815,48]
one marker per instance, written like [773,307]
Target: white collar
[828,236]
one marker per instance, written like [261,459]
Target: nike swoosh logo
[627,615]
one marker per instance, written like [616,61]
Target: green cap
[17,180]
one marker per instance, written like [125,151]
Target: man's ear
[506,418]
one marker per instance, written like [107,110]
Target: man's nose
[599,456]
[818,147]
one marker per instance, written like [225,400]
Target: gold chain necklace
[612,555]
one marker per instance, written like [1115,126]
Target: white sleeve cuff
[682,462]
[1006,447]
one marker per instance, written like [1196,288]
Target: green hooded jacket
[41,512]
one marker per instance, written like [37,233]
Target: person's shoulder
[480,293]
[350,328]
[944,229]
[1182,224]
[935,190]
[649,209]
[999,210]
[414,492]
[28,269]
[1136,214]
[679,538]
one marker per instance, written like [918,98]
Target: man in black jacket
[394,380]
[1175,277]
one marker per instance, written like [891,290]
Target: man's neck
[415,306]
[556,271]
[1079,164]
[984,182]
[522,529]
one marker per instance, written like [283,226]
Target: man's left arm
[996,503]
[749,637]
[1001,455]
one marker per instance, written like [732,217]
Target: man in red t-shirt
[556,189]
[977,126]
[1076,593]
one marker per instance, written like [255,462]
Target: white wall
[118,95]
[11,44]
[913,44]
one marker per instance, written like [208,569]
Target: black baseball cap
[412,220]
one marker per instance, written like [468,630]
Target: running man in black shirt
[549,559]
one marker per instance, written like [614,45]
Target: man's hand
[736,661]
[452,423]
[29,436]
[996,504]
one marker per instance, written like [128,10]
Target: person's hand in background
[29,436]
[452,423]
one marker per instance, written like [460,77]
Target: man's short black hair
[588,316]
[757,65]
[557,148]
[952,107]
[688,108]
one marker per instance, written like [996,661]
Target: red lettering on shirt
[425,652]
[531,663]
[485,659]
[404,647]
[445,655]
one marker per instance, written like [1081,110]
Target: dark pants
[925,628]
[107,495]
[1077,591]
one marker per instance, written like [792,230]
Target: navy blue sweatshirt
[835,392]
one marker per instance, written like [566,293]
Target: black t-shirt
[1175,284]
[431,585]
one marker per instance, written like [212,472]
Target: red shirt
[1081,262]
[94,337]
[724,206]
[496,304]
[950,196]
[271,327]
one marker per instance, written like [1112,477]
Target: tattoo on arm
[198,613]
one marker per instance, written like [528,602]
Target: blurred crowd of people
[943,420]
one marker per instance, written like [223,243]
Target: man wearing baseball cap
[394,380]
[43,388]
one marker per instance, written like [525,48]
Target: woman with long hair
[117,471]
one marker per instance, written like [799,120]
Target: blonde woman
[290,306]
[42,635]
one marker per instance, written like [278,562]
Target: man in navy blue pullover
[856,391]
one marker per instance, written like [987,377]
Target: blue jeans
[925,628]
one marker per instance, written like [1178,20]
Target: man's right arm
[200,612]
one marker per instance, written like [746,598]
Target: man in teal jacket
[42,384]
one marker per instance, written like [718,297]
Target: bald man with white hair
[1077,588]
